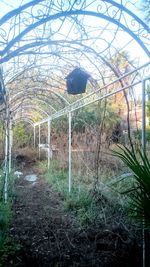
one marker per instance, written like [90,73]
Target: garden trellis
[90,98]
[43,38]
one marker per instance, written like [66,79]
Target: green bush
[139,192]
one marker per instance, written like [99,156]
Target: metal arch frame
[33,107]
[34,123]
[11,139]
[28,67]
[94,96]
[21,117]
[42,90]
[82,12]
[21,8]
[116,22]
[37,99]
[15,120]
[29,118]
[106,17]
[25,115]
[80,103]
[29,121]
[130,13]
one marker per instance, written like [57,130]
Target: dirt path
[49,237]
[40,225]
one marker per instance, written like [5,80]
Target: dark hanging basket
[76,81]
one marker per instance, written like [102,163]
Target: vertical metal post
[70,174]
[39,140]
[5,95]
[143,116]
[49,143]
[6,166]
[144,150]
[34,136]
[10,144]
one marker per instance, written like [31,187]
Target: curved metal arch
[26,117]
[33,107]
[23,7]
[82,12]
[39,100]
[24,120]
[12,13]
[40,89]
[116,22]
[129,12]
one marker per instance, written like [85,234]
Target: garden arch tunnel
[39,92]
[29,108]
[110,13]
[28,98]
[102,10]
[24,119]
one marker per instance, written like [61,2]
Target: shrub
[139,193]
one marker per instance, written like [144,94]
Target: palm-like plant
[140,189]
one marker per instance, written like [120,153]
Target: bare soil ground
[49,236]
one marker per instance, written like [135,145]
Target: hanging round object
[76,81]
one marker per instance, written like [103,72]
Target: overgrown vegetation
[88,117]
[21,135]
[139,191]
[8,250]
[89,206]
[6,245]
[4,221]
